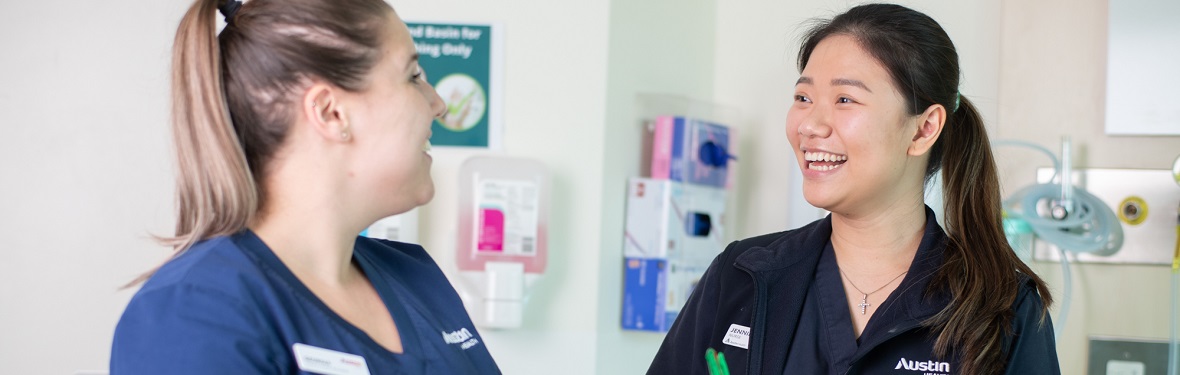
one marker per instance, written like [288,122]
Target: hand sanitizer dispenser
[501,246]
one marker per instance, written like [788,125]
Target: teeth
[823,168]
[823,156]
[426,146]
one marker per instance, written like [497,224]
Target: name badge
[328,362]
[737,335]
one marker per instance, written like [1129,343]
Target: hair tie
[229,9]
[957,96]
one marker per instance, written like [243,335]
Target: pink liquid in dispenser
[503,214]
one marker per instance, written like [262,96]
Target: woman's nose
[815,124]
[437,105]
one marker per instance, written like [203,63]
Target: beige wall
[85,177]
[1052,83]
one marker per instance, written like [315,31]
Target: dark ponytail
[980,270]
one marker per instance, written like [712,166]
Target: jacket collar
[791,248]
[812,238]
[926,265]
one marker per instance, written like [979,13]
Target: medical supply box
[673,232]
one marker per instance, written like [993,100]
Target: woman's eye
[801,98]
[419,73]
[844,100]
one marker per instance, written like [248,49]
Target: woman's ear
[929,128]
[325,114]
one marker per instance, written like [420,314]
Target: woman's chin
[818,200]
[426,194]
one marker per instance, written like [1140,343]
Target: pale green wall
[656,46]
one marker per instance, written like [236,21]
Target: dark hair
[233,95]
[980,270]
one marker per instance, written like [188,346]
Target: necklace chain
[864,299]
[877,290]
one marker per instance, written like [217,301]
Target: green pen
[716,362]
[724,366]
[711,361]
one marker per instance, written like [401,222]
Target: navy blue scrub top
[825,341]
[229,305]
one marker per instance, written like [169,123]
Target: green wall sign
[461,62]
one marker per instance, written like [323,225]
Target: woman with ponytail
[296,126]
[878,286]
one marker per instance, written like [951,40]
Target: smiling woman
[299,125]
[877,286]
[838,116]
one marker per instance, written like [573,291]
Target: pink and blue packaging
[691,151]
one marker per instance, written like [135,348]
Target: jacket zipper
[758,328]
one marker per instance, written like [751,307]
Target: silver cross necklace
[864,301]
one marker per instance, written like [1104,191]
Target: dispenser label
[507,213]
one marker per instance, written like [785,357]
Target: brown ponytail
[232,97]
[215,191]
[980,270]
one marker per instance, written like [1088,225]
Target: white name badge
[328,362]
[737,335]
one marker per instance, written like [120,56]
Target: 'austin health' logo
[936,367]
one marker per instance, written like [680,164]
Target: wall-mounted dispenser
[501,248]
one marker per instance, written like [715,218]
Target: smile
[823,161]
